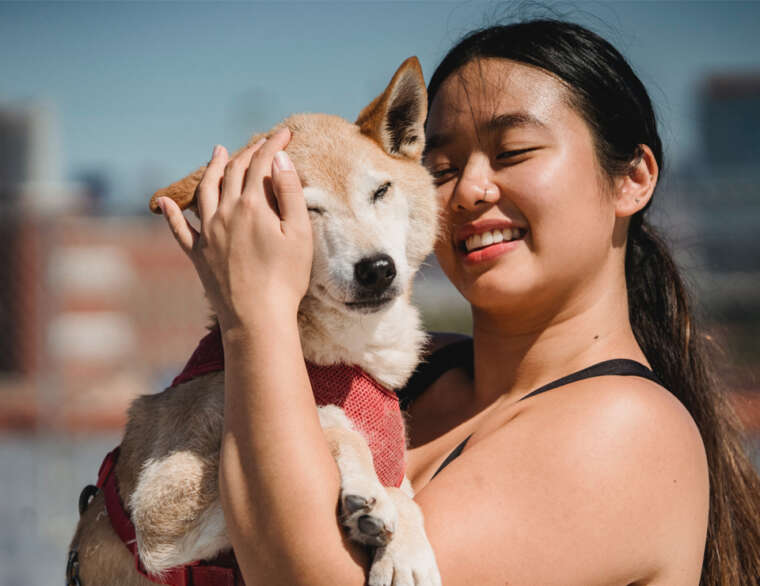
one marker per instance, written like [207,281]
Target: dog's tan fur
[167,470]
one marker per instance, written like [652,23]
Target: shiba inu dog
[374,217]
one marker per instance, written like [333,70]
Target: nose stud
[474,193]
[489,192]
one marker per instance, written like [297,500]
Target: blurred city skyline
[137,93]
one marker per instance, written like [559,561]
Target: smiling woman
[543,128]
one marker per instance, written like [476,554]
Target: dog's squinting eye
[381,191]
[316,210]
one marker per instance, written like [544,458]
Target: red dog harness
[373,409]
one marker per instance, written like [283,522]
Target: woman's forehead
[487,88]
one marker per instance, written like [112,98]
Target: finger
[207,193]
[235,172]
[288,190]
[185,234]
[261,162]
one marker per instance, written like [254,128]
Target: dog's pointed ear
[396,118]
[182,192]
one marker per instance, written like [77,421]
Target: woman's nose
[475,188]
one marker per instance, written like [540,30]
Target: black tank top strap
[457,354]
[616,367]
[452,456]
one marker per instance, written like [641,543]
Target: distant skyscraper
[31,173]
[730,122]
[722,191]
[15,139]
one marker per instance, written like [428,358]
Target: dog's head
[372,203]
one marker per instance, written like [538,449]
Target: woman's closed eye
[444,172]
[442,175]
[514,156]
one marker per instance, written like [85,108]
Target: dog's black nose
[375,273]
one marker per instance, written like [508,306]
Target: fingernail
[283,162]
[216,151]
[161,205]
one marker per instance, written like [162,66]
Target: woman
[540,135]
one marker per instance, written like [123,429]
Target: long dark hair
[610,97]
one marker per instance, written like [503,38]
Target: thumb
[185,234]
[288,190]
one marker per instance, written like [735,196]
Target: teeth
[492,237]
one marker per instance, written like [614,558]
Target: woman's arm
[278,481]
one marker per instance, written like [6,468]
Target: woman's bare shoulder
[612,464]
[618,407]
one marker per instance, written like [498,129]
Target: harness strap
[222,571]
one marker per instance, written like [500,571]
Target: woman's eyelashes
[443,172]
[515,156]
[441,176]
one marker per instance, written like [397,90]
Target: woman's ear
[634,189]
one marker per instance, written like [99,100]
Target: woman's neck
[516,353]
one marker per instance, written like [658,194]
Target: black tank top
[459,355]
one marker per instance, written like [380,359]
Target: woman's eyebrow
[512,120]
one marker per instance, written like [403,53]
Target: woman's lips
[489,252]
[487,239]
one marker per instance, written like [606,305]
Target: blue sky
[142,91]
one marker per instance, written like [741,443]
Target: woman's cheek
[443,248]
[556,196]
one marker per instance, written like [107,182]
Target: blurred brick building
[93,310]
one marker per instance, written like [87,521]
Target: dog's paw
[408,559]
[368,514]
[401,563]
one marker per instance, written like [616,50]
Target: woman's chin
[497,290]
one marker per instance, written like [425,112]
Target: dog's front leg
[386,518]
[367,512]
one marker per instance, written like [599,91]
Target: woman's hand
[253,250]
